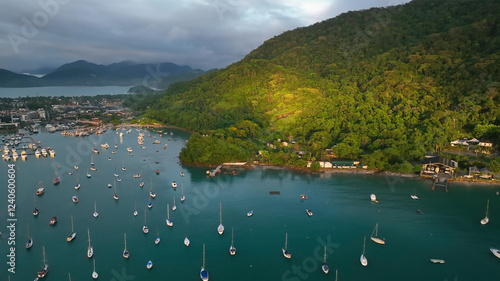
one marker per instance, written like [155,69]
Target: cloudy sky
[201,33]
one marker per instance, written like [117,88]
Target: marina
[343,215]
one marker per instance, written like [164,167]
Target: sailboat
[285,251]
[375,237]
[362,259]
[90,250]
[123,167]
[88,174]
[126,253]
[183,197]
[92,160]
[186,241]
[115,196]
[157,240]
[94,273]
[77,185]
[324,266]
[145,228]
[45,267]
[29,244]
[203,271]
[220,228]
[232,249]
[174,207]
[486,219]
[135,209]
[96,214]
[414,196]
[168,221]
[73,233]
[35,210]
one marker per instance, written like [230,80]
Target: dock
[215,171]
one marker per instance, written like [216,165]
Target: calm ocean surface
[449,228]
[57,91]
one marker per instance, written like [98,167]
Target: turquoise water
[449,228]
[69,91]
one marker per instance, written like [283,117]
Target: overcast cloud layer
[200,33]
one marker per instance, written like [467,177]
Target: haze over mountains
[84,73]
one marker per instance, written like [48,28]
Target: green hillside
[381,85]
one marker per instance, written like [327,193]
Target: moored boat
[286,254]
[309,212]
[495,252]
[53,220]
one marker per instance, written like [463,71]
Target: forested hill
[383,85]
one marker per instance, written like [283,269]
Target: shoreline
[154,126]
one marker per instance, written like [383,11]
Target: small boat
[90,250]
[76,167]
[115,196]
[88,175]
[374,237]
[149,265]
[29,243]
[183,197]
[72,236]
[232,249]
[362,259]
[141,184]
[95,214]
[203,271]
[109,158]
[174,184]
[95,150]
[129,149]
[115,174]
[137,175]
[152,194]
[414,196]
[174,207]
[324,266]
[56,181]
[53,220]
[110,185]
[150,204]
[420,212]
[437,261]
[220,228]
[182,174]
[145,228]
[123,166]
[118,179]
[249,214]
[303,197]
[40,191]
[35,210]
[92,160]
[286,254]
[156,142]
[495,252]
[77,185]
[157,172]
[186,242]
[373,198]
[485,220]
[93,169]
[37,153]
[309,212]
[168,221]
[74,199]
[135,210]
[94,273]
[157,240]
[45,267]
[126,253]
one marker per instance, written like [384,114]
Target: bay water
[448,229]
[69,91]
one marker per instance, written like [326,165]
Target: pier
[215,171]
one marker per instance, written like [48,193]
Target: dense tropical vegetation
[383,85]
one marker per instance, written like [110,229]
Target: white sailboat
[35,210]
[149,265]
[286,254]
[168,221]
[174,207]
[324,266]
[183,197]
[186,241]
[126,253]
[95,214]
[90,250]
[123,166]
[92,160]
[94,273]
[135,209]
[362,259]
[73,233]
[29,243]
[77,185]
[414,196]
[203,271]
[486,219]
[220,228]
[232,249]
[145,228]
[45,267]
[157,240]
[374,237]
[115,196]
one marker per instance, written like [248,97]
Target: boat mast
[324,259]
[168,212]
[203,266]
[72,229]
[220,212]
[487,207]
[232,236]
[88,233]
[286,240]
[364,245]
[125,239]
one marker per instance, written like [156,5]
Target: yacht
[437,261]
[37,153]
[203,271]
[40,191]
[157,240]
[77,185]
[129,149]
[374,237]
[250,213]
[149,265]
[324,266]
[150,204]
[115,196]
[152,194]
[53,220]
[232,249]
[29,243]
[123,166]
[135,210]
[174,184]
[362,259]
[45,267]
[94,273]
[126,253]
[75,199]
[309,212]
[141,184]
[186,242]
[56,181]
[168,221]
[485,220]
[145,228]
[35,210]
[286,254]
[90,250]
[220,228]
[72,236]
[44,152]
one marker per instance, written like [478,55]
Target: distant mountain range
[84,73]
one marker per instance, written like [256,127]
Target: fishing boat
[220,228]
[168,221]
[56,181]
[94,273]
[115,196]
[72,236]
[126,253]
[374,237]
[186,241]
[362,259]
[174,207]
[53,220]
[90,250]
[45,267]
[135,209]
[485,220]
[373,198]
[286,254]
[495,252]
[149,265]
[183,197]
[250,213]
[40,191]
[77,185]
[309,212]
[437,261]
[203,271]
[157,240]
[145,228]
[324,266]
[174,184]
[29,243]
[232,249]
[75,199]
[95,214]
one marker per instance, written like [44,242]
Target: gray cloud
[201,33]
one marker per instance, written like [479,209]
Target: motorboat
[75,199]
[250,213]
[309,212]
[53,220]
